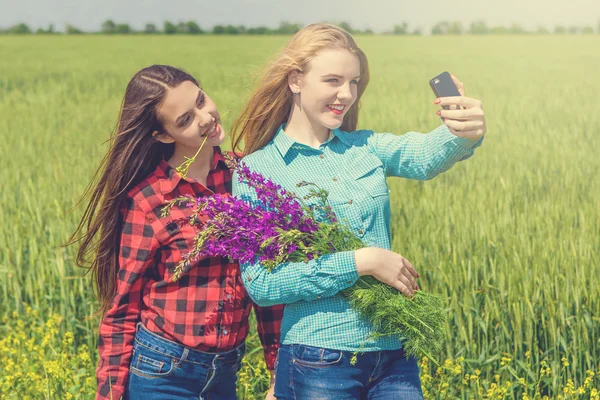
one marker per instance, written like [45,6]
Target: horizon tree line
[479,27]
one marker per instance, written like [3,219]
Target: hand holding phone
[443,86]
[463,116]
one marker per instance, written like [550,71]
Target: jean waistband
[165,346]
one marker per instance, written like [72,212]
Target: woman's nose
[204,119]
[345,93]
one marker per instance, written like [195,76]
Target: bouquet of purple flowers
[282,228]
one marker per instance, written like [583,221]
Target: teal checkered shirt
[353,167]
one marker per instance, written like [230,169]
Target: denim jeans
[306,372]
[165,370]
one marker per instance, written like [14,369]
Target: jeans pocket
[150,363]
[315,357]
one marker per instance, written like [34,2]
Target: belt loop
[184,355]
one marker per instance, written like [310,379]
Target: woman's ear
[162,137]
[294,80]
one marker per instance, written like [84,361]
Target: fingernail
[438,112]
[437,101]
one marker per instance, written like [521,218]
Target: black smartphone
[443,86]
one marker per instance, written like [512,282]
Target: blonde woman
[300,124]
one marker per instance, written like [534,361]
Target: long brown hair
[270,103]
[133,153]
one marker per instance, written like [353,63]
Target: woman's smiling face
[329,87]
[188,116]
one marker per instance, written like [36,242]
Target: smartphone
[443,86]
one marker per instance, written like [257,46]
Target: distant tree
[181,27]
[516,29]
[20,29]
[368,31]
[218,30]
[587,30]
[194,28]
[573,30]
[559,30]
[109,27]
[232,30]
[441,28]
[455,28]
[478,28]
[259,30]
[150,29]
[170,28]
[123,29]
[499,30]
[542,30]
[286,28]
[346,26]
[417,32]
[49,31]
[401,29]
[72,30]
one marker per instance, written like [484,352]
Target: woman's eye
[200,101]
[185,121]
[333,80]
[354,81]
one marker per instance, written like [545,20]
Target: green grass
[511,236]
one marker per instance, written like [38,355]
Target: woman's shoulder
[357,138]
[260,157]
[147,193]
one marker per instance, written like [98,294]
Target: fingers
[459,85]
[464,125]
[469,113]
[462,101]
[401,287]
[410,268]
[412,283]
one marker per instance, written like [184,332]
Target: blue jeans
[165,370]
[306,372]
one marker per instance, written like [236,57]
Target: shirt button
[360,231]
[349,201]
[228,296]
[322,156]
[225,331]
[249,279]
[319,296]
[335,179]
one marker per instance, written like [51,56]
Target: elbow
[262,301]
[259,295]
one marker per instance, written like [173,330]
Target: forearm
[292,282]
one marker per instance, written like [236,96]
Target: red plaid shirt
[207,309]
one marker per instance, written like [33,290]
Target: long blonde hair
[271,102]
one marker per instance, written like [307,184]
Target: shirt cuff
[107,392]
[465,143]
[347,273]
[270,356]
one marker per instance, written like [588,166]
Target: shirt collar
[283,142]
[170,178]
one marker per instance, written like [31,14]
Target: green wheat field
[511,237]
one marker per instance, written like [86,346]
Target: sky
[378,15]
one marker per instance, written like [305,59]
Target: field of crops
[510,237]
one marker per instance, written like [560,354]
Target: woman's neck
[200,168]
[304,131]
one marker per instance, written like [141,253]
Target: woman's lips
[337,109]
